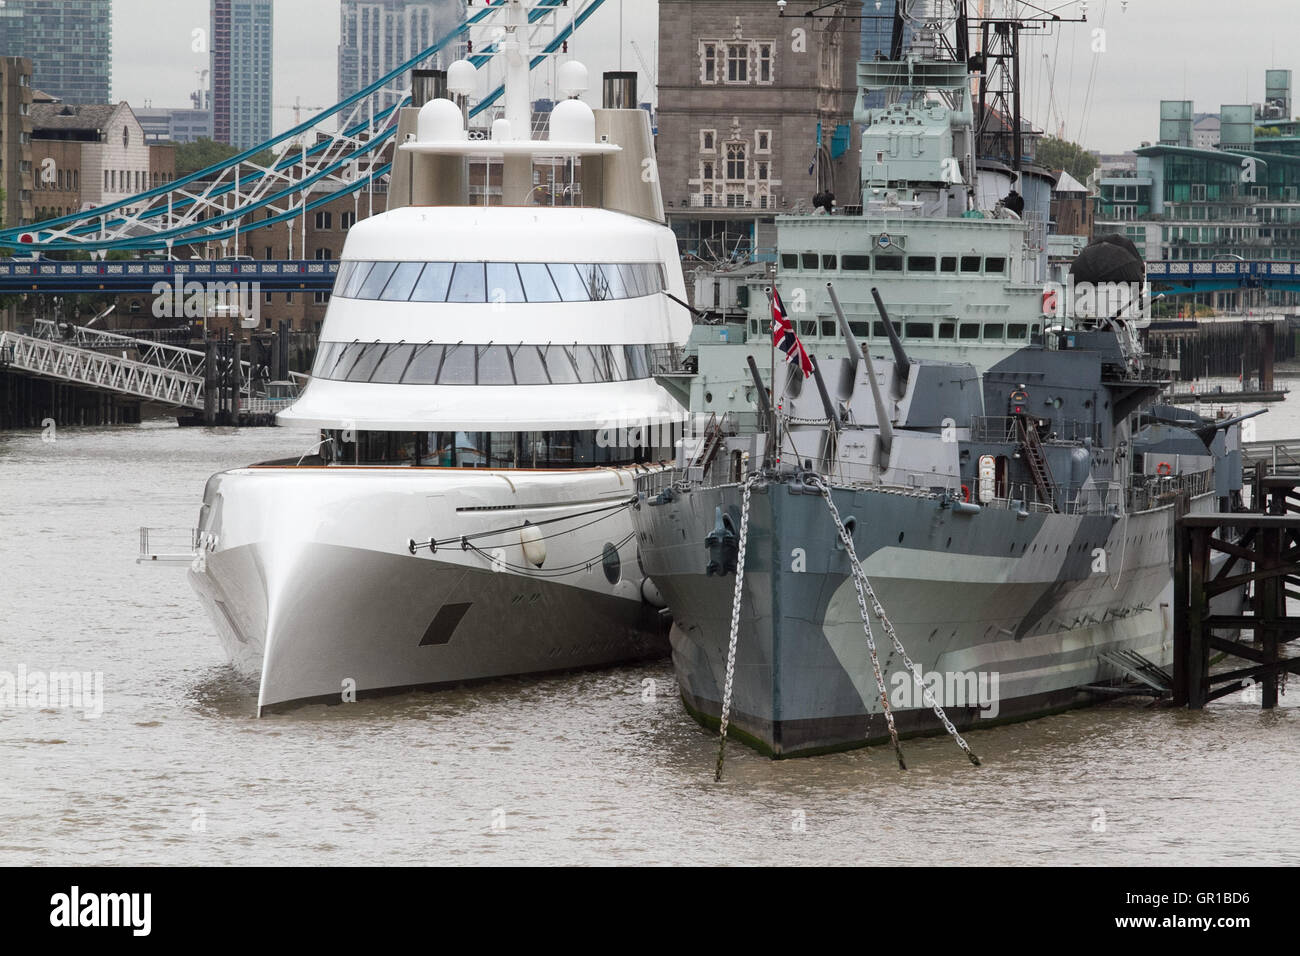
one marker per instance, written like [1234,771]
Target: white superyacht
[466,515]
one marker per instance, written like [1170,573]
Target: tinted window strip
[550,282]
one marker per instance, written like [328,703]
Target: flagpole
[771,381]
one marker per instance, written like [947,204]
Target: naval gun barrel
[901,364]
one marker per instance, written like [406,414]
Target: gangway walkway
[166,374]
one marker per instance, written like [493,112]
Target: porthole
[612,564]
[708,398]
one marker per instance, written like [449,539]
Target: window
[762,172]
[268,256]
[919,330]
[765,63]
[828,262]
[763,141]
[995,265]
[828,329]
[947,330]
[993,331]
[126,137]
[706,172]
[319,298]
[808,260]
[707,140]
[948,264]
[1017,331]
[807,328]
[878,329]
[468,283]
[889,263]
[324,255]
[970,331]
[737,62]
[920,263]
[709,62]
[736,161]
[856,263]
[970,263]
[789,260]
[347,220]
[324,220]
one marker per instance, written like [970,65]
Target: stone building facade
[755,118]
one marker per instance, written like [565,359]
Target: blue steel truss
[229,195]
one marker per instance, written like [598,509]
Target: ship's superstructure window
[856,263]
[808,260]
[970,263]
[970,331]
[1017,330]
[404,363]
[947,330]
[889,263]
[948,264]
[498,281]
[472,449]
[993,331]
[828,262]
[790,261]
[994,264]
[920,263]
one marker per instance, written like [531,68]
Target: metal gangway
[98,359]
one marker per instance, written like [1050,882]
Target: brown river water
[601,767]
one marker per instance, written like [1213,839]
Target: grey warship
[1011,514]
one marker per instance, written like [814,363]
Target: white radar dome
[440,121]
[571,78]
[572,121]
[462,78]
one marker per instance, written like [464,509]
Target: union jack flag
[785,338]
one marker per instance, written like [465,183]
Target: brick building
[743,96]
[16,140]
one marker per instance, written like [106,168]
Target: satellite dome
[572,121]
[440,121]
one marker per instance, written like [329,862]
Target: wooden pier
[1260,551]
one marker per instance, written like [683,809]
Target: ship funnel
[619,90]
[428,85]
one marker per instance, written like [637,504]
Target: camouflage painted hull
[1007,612]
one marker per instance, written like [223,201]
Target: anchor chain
[735,623]
[861,584]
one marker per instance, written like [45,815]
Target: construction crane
[651,75]
[297,108]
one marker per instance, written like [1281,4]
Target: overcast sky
[1210,51]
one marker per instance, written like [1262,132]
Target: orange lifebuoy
[1163,469]
[965,494]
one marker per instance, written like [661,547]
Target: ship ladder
[863,587]
[1037,460]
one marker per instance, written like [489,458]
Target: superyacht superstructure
[485,399]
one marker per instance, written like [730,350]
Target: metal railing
[1000,429]
[172,545]
[113,373]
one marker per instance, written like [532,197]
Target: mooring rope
[861,584]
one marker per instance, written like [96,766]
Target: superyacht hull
[311,585]
[1006,613]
